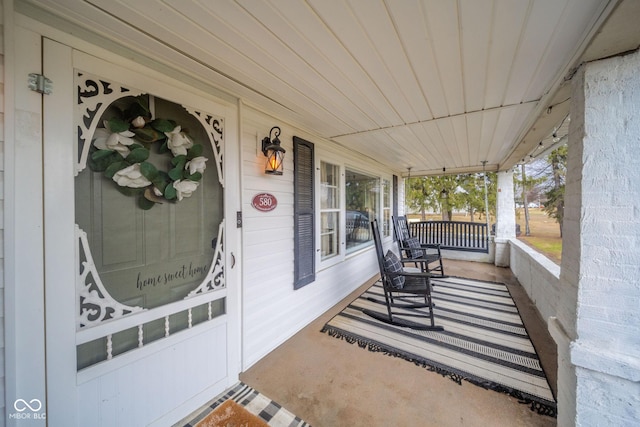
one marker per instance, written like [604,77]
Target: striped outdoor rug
[484,340]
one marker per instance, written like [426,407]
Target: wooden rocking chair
[405,285]
[414,251]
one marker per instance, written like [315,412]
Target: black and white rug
[484,340]
[253,401]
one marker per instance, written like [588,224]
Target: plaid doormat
[254,402]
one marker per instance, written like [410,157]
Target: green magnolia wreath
[121,149]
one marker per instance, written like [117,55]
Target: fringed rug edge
[536,404]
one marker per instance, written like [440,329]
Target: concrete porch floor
[329,382]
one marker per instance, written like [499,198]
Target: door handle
[233,260]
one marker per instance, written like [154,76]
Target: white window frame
[386,227]
[333,159]
[339,187]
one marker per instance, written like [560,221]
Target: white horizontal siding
[272,310]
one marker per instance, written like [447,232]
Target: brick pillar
[598,320]
[505,218]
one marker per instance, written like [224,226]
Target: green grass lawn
[551,247]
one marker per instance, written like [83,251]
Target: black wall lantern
[273,152]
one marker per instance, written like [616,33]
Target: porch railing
[452,235]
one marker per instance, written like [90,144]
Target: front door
[141,307]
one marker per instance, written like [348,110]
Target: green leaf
[170,192]
[176,173]
[134,146]
[138,155]
[164,148]
[181,158]
[128,191]
[100,160]
[100,154]
[149,171]
[96,166]
[114,167]
[117,125]
[163,125]
[160,183]
[145,203]
[138,108]
[194,151]
[195,177]
[148,135]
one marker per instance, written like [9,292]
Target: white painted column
[505,218]
[598,323]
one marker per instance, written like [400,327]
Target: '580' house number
[264,202]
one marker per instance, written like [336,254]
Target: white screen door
[141,308]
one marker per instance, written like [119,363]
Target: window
[329,210]
[151,257]
[362,201]
[386,208]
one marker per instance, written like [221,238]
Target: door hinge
[40,84]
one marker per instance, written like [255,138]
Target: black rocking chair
[414,251]
[406,286]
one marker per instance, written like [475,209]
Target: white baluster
[166,326]
[109,347]
[140,336]
[190,318]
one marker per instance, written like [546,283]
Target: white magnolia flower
[131,177]
[178,142]
[185,188]
[197,164]
[138,122]
[107,140]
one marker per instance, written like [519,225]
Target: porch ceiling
[416,84]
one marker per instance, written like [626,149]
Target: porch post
[597,324]
[505,218]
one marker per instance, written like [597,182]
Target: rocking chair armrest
[431,245]
[425,258]
[411,260]
[424,274]
[437,246]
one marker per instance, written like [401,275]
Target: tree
[473,185]
[554,206]
[528,182]
[464,191]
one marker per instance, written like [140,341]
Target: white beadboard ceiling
[420,84]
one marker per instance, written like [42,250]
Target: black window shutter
[395,196]
[303,212]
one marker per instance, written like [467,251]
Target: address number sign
[264,202]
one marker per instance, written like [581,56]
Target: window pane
[386,207]
[329,214]
[329,234]
[362,200]
[329,185]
